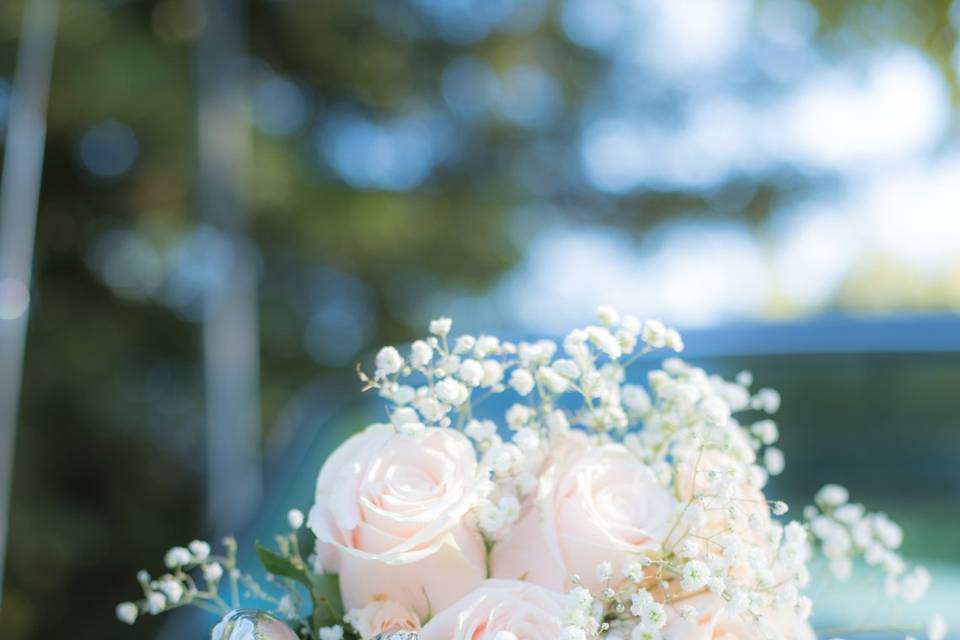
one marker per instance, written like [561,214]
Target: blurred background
[239,200]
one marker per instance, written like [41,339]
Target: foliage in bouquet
[612,509]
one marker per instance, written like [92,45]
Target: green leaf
[281,566]
[324,589]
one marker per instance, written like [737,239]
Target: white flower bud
[127,612]
[420,354]
[389,361]
[332,633]
[608,315]
[832,495]
[441,326]
[200,550]
[177,557]
[212,572]
[156,602]
[522,381]
[295,518]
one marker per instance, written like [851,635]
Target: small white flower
[581,597]
[604,571]
[527,439]
[557,423]
[627,340]
[212,572]
[200,550]
[631,324]
[404,394]
[471,372]
[336,631]
[440,327]
[641,632]
[295,518]
[633,571]
[779,508]
[738,603]
[490,518]
[286,608]
[888,531]
[639,601]
[553,381]
[510,508]
[406,420]
[654,334]
[653,616]
[522,381]
[177,557]
[156,602]
[773,460]
[172,589]
[567,368]
[519,415]
[674,340]
[635,399]
[795,533]
[486,345]
[464,344]
[686,612]
[850,514]
[389,361]
[452,392]
[766,430]
[127,612]
[689,548]
[767,400]
[715,411]
[696,574]
[915,585]
[832,495]
[526,483]
[936,628]
[420,354]
[605,341]
[608,315]
[492,373]
[481,430]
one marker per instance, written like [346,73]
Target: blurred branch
[230,326]
[19,193]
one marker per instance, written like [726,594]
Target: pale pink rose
[525,610]
[714,623]
[380,616]
[389,518]
[594,505]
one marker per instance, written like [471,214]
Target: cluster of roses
[595,507]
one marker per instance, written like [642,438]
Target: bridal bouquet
[593,507]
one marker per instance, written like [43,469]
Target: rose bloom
[525,610]
[389,518]
[594,504]
[713,623]
[380,616]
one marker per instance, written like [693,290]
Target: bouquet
[593,507]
